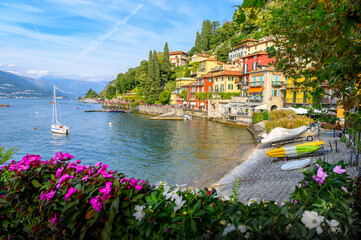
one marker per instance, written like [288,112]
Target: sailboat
[57,127]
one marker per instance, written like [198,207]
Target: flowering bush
[59,199]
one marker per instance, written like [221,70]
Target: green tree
[165,66]
[320,40]
[215,25]
[222,52]
[183,95]
[151,73]
[111,92]
[206,34]
[164,97]
[198,43]
[157,78]
[91,94]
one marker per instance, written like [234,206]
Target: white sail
[57,127]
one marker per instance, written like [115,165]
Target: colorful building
[204,84]
[225,81]
[266,87]
[205,66]
[252,62]
[261,45]
[178,58]
[296,94]
[197,57]
[190,102]
[180,82]
[240,49]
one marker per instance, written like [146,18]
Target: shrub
[257,117]
[67,200]
[133,104]
[282,113]
[286,119]
[265,115]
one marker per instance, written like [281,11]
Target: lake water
[172,151]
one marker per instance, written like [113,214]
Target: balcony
[199,83]
[256,98]
[192,99]
[276,84]
[255,84]
[297,100]
[292,85]
[192,91]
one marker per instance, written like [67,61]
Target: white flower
[228,229]
[334,225]
[179,203]
[139,214]
[158,184]
[247,235]
[225,198]
[253,200]
[165,189]
[172,195]
[242,228]
[311,220]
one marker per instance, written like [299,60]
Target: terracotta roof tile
[177,52]
[228,73]
[256,53]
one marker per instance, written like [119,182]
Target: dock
[106,110]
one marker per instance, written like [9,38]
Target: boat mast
[54,108]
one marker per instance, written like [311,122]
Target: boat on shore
[186,116]
[282,134]
[293,151]
[57,127]
[4,105]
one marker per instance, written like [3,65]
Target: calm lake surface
[172,151]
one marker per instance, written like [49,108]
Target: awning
[184,102]
[262,106]
[255,90]
[202,104]
[193,103]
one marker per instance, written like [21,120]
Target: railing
[256,98]
[192,91]
[244,114]
[192,99]
[255,83]
[291,85]
[297,100]
[199,83]
[278,83]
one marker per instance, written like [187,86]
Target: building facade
[204,84]
[178,58]
[180,82]
[225,81]
[240,49]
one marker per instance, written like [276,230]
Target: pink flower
[50,195]
[98,164]
[67,156]
[345,189]
[138,187]
[63,178]
[107,189]
[53,219]
[282,203]
[105,166]
[96,203]
[339,170]
[124,179]
[70,192]
[133,182]
[78,161]
[85,178]
[59,171]
[42,196]
[321,176]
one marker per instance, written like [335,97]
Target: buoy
[111,124]
[36,112]
[35,128]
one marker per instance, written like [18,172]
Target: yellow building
[175,99]
[296,94]
[205,66]
[262,45]
[197,57]
[225,81]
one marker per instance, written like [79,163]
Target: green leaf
[5,223]
[115,204]
[69,205]
[153,198]
[107,231]
[193,226]
[36,183]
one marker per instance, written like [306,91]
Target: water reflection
[175,151]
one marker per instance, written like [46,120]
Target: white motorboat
[186,116]
[57,127]
[281,134]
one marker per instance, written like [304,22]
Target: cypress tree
[206,34]
[157,80]
[165,67]
[151,73]
[198,43]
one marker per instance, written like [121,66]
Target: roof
[188,85]
[247,40]
[269,68]
[256,53]
[255,90]
[206,75]
[177,52]
[202,55]
[257,43]
[228,73]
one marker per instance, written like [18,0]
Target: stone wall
[154,110]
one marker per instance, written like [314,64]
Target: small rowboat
[4,105]
[294,151]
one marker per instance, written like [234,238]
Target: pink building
[178,58]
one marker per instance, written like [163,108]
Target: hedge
[59,199]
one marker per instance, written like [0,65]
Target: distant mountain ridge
[14,86]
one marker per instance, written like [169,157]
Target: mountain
[12,85]
[74,88]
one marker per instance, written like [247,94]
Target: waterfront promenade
[263,178]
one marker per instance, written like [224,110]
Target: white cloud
[13,72]
[11,65]
[37,73]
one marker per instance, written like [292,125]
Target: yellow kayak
[297,150]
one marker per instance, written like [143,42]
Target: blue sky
[94,40]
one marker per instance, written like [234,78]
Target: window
[232,78]
[231,86]
[276,79]
[246,59]
[209,80]
[254,66]
[229,78]
[238,88]
[245,68]
[254,81]
[202,89]
[209,89]
[222,87]
[216,79]
[255,57]
[260,79]
[222,79]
